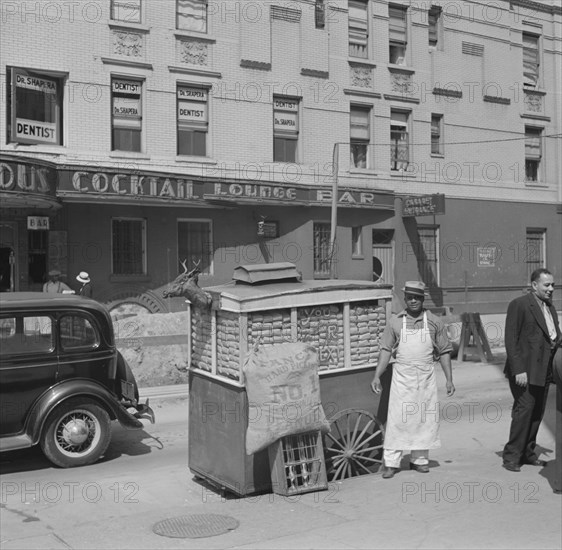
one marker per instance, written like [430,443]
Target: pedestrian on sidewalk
[86,288]
[418,337]
[531,336]
[54,285]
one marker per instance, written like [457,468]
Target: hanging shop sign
[423,205]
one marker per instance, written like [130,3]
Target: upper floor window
[533,153]
[319,14]
[285,129]
[192,121]
[434,21]
[191,15]
[359,136]
[399,141]
[35,106]
[427,254]
[436,134]
[126,115]
[531,59]
[128,11]
[358,24]
[128,246]
[398,36]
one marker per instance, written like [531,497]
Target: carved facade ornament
[402,83]
[533,102]
[127,43]
[194,52]
[361,76]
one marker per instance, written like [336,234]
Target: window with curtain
[533,153]
[128,246]
[195,245]
[358,28]
[191,15]
[436,134]
[128,11]
[398,36]
[530,59]
[359,136]
[434,23]
[399,141]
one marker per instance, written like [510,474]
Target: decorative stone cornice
[315,73]
[447,92]
[260,65]
[497,99]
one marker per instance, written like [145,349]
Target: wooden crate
[297,464]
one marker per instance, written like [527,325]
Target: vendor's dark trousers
[526,416]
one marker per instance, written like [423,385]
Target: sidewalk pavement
[466,501]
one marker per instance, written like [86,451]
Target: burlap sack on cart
[283,391]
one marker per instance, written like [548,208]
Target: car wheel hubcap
[77,433]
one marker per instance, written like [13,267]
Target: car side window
[77,332]
[26,334]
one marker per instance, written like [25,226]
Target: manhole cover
[195,526]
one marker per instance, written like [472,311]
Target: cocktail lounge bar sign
[73,183]
[423,205]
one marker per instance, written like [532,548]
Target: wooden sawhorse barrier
[473,339]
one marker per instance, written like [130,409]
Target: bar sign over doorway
[37,223]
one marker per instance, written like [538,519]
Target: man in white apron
[417,336]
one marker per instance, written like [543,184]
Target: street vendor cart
[342,319]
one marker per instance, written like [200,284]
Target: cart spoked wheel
[354,444]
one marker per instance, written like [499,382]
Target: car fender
[77,387]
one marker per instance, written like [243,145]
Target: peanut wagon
[268,303]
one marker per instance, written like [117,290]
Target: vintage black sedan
[62,379]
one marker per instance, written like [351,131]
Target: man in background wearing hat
[417,336]
[54,285]
[86,288]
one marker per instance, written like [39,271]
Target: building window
[127,115]
[436,134]
[192,121]
[128,246]
[320,14]
[195,244]
[359,136]
[398,36]
[535,250]
[128,11]
[34,107]
[358,26]
[285,129]
[533,153]
[37,248]
[192,15]
[434,21]
[531,60]
[399,141]
[357,241]
[427,257]
[321,249]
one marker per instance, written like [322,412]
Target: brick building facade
[138,134]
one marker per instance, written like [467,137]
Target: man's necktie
[549,321]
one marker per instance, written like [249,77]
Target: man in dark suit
[532,333]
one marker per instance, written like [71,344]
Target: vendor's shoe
[422,468]
[512,466]
[389,472]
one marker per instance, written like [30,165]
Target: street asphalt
[467,500]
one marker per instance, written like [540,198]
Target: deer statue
[186,285]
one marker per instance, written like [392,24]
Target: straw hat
[83,277]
